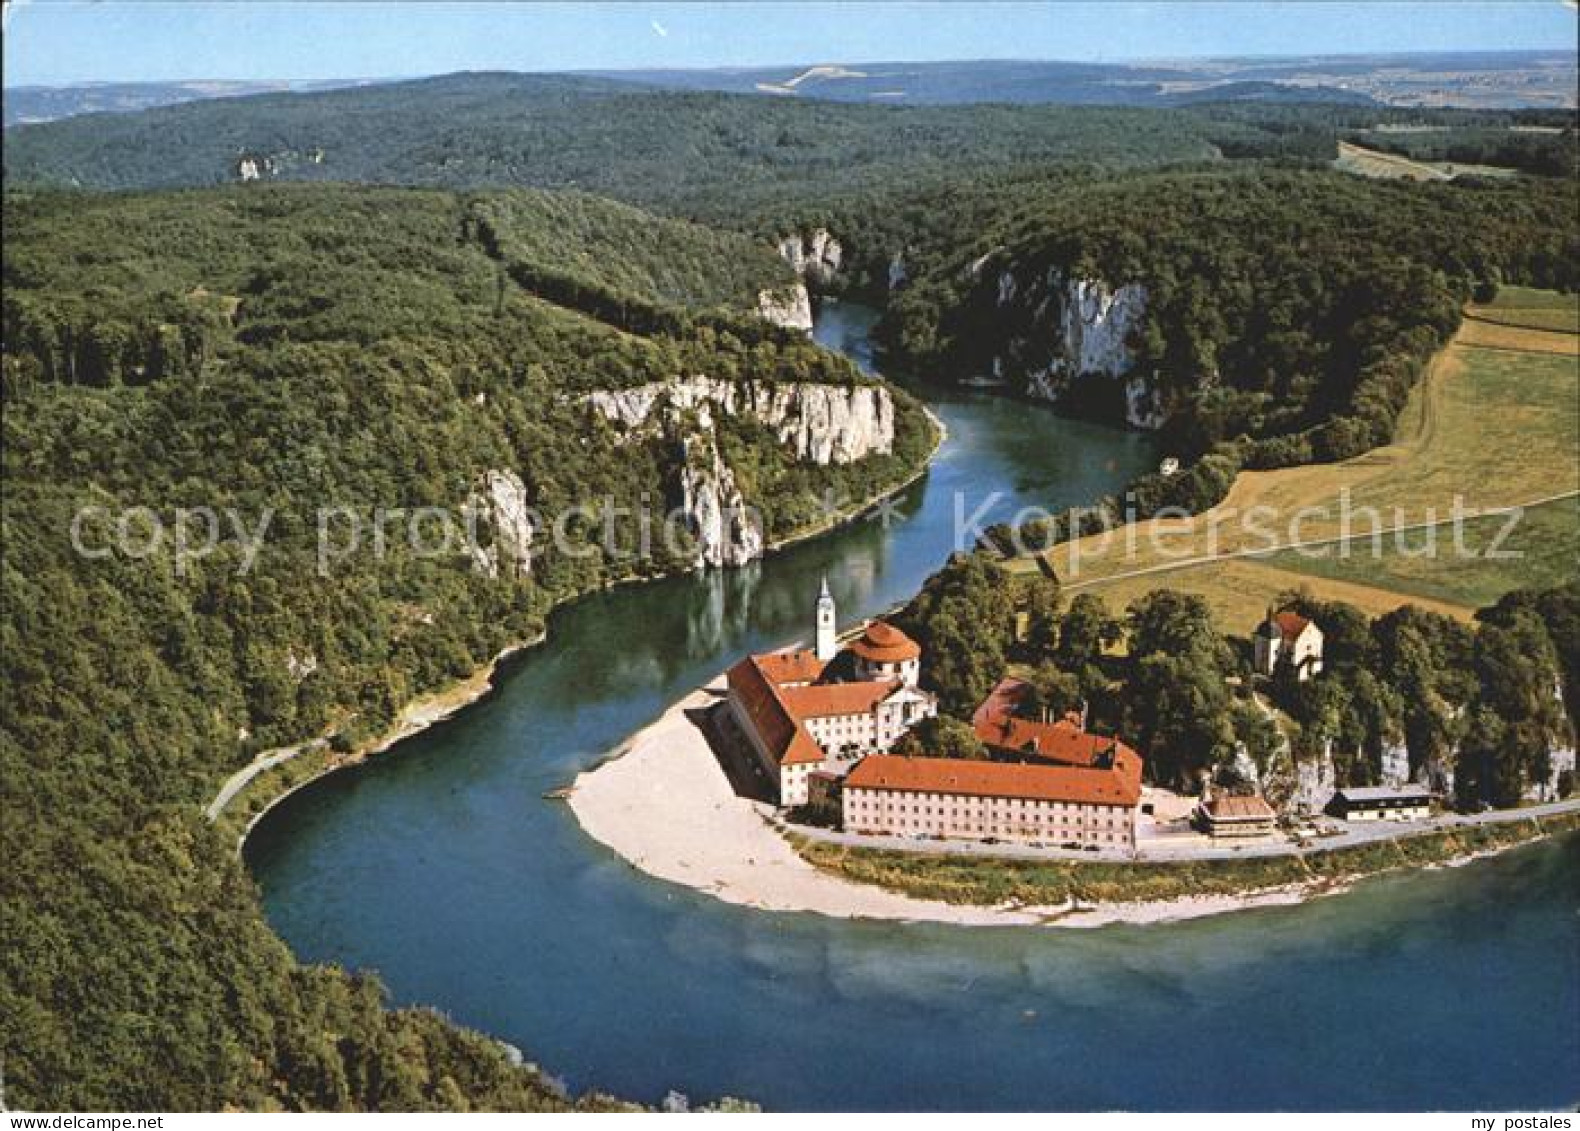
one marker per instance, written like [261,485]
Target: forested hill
[710,151]
[268,351]
[700,154]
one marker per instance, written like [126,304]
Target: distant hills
[48,103]
[1480,80]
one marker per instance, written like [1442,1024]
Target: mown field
[1365,162]
[1495,424]
[1536,548]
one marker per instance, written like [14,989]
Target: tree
[1086,631]
[964,620]
[1177,712]
[1176,624]
[1051,693]
[942,737]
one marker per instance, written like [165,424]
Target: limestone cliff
[727,531]
[1079,331]
[1068,337]
[821,424]
[790,307]
[814,255]
[899,274]
[500,525]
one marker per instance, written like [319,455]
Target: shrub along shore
[986,880]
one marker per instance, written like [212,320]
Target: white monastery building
[819,711]
[1088,806]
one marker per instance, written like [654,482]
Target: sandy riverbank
[663,804]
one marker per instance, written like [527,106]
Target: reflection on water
[443,868]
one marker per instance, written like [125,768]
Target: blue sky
[60,41]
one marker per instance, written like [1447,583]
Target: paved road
[1155,851]
[265,761]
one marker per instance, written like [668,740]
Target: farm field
[1365,162]
[1494,424]
[1535,548]
[1532,309]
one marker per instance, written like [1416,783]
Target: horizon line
[1102,61]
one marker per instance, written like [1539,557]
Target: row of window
[909,825]
[908,803]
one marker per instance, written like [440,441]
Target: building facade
[951,798]
[1288,637]
[1237,817]
[1382,803]
[802,718]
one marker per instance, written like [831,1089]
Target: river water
[441,867]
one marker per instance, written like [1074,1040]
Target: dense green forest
[1483,701]
[263,352]
[1291,334]
[722,156]
[266,348]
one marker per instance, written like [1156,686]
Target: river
[441,867]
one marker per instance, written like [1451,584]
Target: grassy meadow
[1494,424]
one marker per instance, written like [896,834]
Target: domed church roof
[882,643]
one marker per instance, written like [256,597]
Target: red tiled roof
[825,699]
[1290,624]
[880,642]
[795,666]
[1117,786]
[784,736]
[1062,742]
[1001,703]
[997,725]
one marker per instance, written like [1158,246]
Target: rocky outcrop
[1082,331]
[1062,334]
[727,531]
[1315,781]
[300,667]
[821,424]
[817,423]
[1560,771]
[898,274]
[500,525]
[815,255]
[261,166]
[252,168]
[790,307]
[1395,765]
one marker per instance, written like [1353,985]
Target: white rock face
[898,276]
[822,424]
[1082,330]
[814,255]
[247,169]
[501,542]
[1315,781]
[1244,766]
[1562,761]
[727,531]
[1395,765]
[1098,323]
[790,307]
[1143,405]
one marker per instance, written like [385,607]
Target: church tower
[825,647]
